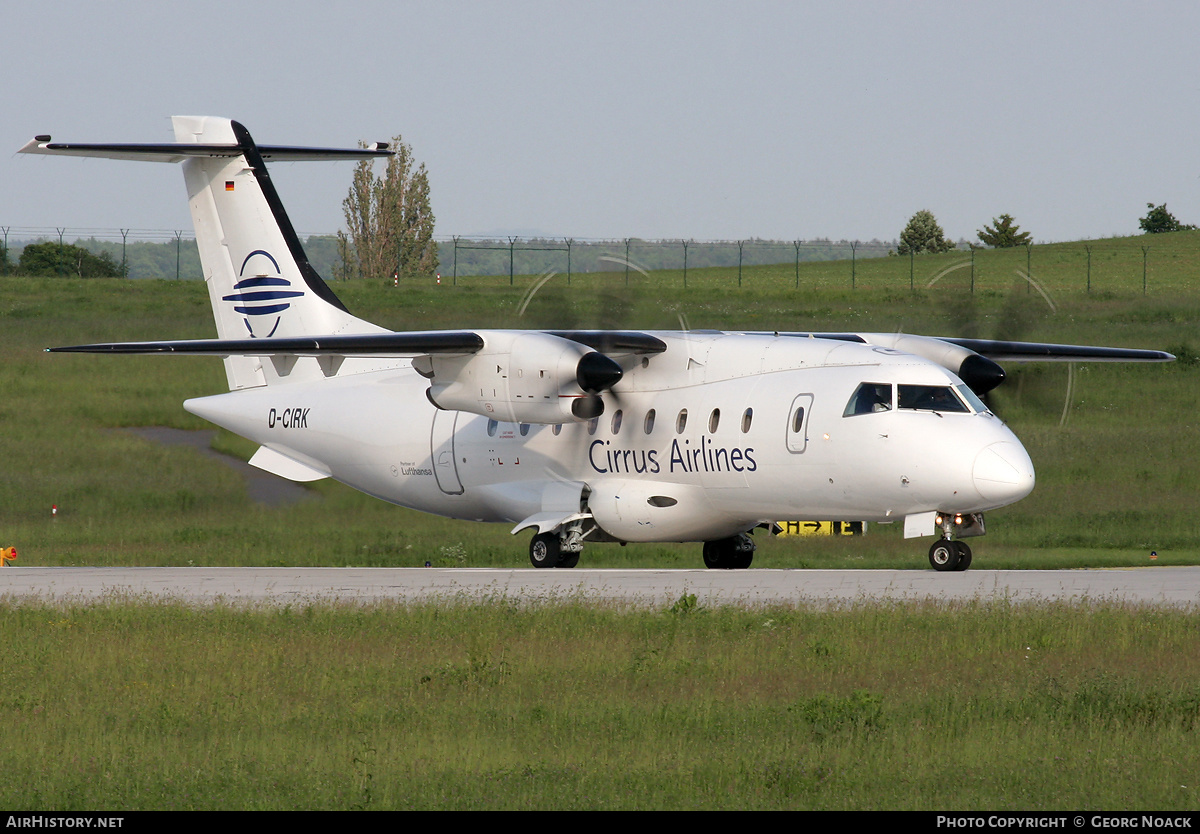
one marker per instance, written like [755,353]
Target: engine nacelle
[980,373]
[517,377]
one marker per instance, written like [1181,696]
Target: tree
[389,219]
[1004,233]
[923,234]
[51,258]
[1158,219]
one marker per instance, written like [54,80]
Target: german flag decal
[229,185]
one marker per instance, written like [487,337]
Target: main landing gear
[734,553]
[949,555]
[548,550]
[552,550]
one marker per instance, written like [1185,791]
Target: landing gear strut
[947,555]
[734,553]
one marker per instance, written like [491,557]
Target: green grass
[130,704]
[577,706]
[1115,478]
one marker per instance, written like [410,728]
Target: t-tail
[260,282]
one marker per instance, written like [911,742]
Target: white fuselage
[699,442]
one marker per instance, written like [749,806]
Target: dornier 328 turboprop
[581,436]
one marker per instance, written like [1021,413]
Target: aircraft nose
[1003,472]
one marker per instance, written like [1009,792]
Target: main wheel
[545,551]
[724,554]
[715,556]
[568,560]
[944,555]
[964,556]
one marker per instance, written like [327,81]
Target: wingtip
[35,145]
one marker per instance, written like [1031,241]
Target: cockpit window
[870,397]
[930,398]
[971,398]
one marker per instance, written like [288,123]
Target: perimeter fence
[1126,264]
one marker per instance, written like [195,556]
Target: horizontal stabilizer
[177,151]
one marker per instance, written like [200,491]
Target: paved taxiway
[1163,586]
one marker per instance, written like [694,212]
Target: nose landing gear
[946,554]
[949,555]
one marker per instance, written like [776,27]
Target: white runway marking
[1159,586]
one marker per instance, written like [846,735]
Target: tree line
[923,234]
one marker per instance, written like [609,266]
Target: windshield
[869,398]
[971,398]
[930,398]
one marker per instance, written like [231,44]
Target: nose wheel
[947,555]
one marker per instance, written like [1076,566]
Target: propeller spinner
[595,373]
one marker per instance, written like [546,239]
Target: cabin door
[797,424]
[441,449]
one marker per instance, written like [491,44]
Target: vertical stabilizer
[260,283]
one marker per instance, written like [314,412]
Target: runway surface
[1156,586]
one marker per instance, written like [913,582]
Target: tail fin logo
[261,291]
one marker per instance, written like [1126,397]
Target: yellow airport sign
[822,528]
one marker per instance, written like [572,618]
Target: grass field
[1114,445]
[130,704]
[567,705]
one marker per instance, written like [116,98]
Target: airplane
[581,435]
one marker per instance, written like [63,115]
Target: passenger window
[557,429]
[649,421]
[714,420]
[869,398]
[681,421]
[798,420]
[524,429]
[593,424]
[492,424]
[747,416]
[616,421]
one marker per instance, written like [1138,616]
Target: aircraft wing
[368,344]
[1005,351]
[613,341]
[1041,352]
[975,360]
[371,344]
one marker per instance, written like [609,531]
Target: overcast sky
[710,120]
